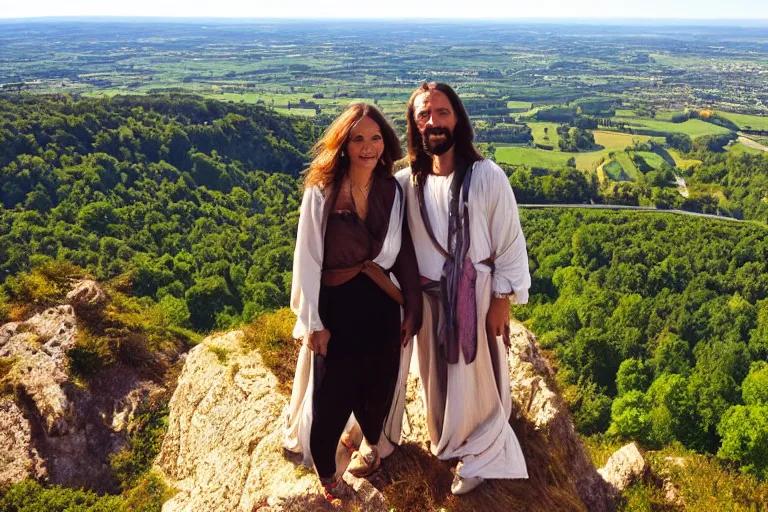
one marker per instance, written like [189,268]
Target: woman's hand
[408,329]
[317,341]
[497,320]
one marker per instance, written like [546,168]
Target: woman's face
[366,144]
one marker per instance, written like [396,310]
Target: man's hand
[408,329]
[317,341]
[497,320]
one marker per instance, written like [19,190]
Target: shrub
[30,496]
[272,335]
[90,354]
[148,427]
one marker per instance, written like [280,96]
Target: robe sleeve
[308,264]
[511,273]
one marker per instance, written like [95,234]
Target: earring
[343,154]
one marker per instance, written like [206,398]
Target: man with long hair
[472,260]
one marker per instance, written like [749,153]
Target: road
[633,208]
[752,144]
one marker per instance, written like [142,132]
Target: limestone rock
[19,459]
[39,348]
[223,449]
[533,390]
[58,431]
[87,296]
[624,466]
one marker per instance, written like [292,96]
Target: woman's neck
[360,176]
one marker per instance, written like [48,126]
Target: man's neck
[445,164]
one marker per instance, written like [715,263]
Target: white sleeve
[392,241]
[308,264]
[511,273]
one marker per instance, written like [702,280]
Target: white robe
[468,405]
[305,295]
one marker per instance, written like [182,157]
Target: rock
[58,431]
[19,459]
[39,346]
[87,296]
[624,467]
[534,392]
[671,491]
[223,449]
[672,494]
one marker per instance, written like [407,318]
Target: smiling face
[435,118]
[366,144]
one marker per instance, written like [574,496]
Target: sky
[370,9]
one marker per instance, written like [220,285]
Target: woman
[351,233]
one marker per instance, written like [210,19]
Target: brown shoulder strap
[425,219]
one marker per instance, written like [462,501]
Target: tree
[632,376]
[205,298]
[744,430]
[754,389]
[630,417]
[671,356]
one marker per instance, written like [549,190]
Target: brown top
[350,241]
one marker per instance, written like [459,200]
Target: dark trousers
[361,366]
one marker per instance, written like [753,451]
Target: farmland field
[537,130]
[518,106]
[683,163]
[739,149]
[747,122]
[693,127]
[617,140]
[628,165]
[652,159]
[532,157]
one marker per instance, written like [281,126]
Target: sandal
[362,466]
[334,489]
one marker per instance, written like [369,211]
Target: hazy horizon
[709,11]
[532,20]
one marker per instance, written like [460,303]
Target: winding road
[633,208]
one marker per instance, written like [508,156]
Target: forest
[195,199]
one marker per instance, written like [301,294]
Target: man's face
[436,120]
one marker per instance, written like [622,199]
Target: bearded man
[472,259]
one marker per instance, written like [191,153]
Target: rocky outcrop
[87,297]
[223,449]
[54,430]
[624,467]
[19,458]
[39,347]
[533,390]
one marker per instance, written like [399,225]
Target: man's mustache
[437,148]
[437,130]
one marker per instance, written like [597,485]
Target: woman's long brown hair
[464,150]
[330,158]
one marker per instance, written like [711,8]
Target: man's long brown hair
[330,158]
[464,150]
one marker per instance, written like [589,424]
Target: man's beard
[441,147]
